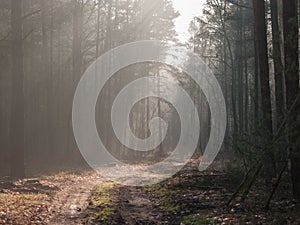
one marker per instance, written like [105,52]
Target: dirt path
[70,202]
[189,197]
[135,207]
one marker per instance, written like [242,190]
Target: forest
[108,115]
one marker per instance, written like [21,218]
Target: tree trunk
[277,59]
[17,108]
[290,32]
[76,45]
[76,69]
[98,29]
[160,148]
[240,70]
[50,111]
[263,64]
[256,111]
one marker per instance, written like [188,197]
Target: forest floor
[189,197]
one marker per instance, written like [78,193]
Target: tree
[77,39]
[291,53]
[263,64]
[277,59]
[17,108]
[264,77]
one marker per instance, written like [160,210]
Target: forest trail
[70,202]
[135,206]
[189,197]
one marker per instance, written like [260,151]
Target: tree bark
[291,52]
[17,107]
[263,64]
[278,65]
[98,29]
[76,45]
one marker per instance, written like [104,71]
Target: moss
[105,213]
[164,197]
[102,201]
[197,219]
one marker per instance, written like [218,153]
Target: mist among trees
[252,48]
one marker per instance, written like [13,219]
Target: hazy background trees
[57,40]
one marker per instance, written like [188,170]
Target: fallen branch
[246,192]
[267,206]
[240,186]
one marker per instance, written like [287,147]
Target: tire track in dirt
[70,202]
[135,207]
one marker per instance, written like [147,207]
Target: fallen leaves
[29,201]
[16,208]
